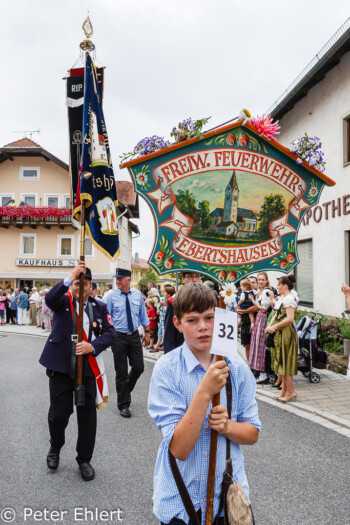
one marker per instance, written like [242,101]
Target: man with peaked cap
[59,358]
[127,310]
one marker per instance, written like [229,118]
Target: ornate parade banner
[96,182]
[227,205]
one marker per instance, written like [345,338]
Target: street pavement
[326,403]
[298,471]
[124,455]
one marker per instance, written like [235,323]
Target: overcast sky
[165,61]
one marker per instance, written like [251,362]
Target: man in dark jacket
[59,359]
[172,337]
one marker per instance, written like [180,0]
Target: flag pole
[86,46]
[213,450]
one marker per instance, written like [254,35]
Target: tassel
[238,508]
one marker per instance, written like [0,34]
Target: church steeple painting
[232,220]
[231,200]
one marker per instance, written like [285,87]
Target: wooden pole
[213,449]
[86,46]
[79,390]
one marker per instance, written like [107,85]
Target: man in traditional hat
[127,310]
[59,358]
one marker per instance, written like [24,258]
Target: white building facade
[318,103]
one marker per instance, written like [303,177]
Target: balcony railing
[33,217]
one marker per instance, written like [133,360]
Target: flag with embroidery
[96,179]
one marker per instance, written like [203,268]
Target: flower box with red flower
[31,214]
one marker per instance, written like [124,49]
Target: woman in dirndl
[258,340]
[285,351]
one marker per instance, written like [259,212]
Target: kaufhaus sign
[46,262]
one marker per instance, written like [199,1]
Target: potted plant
[345,332]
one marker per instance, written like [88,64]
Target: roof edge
[38,150]
[319,63]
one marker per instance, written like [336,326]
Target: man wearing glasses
[172,337]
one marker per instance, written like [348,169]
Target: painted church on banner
[232,220]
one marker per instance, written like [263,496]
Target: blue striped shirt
[116,307]
[175,379]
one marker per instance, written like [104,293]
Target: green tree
[186,202]
[150,275]
[274,206]
[204,212]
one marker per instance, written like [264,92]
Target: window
[29,173]
[66,201]
[5,199]
[304,274]
[29,199]
[52,200]
[65,245]
[28,245]
[88,247]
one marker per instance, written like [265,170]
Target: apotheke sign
[56,263]
[328,210]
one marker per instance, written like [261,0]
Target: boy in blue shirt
[182,386]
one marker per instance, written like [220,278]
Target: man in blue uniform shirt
[127,310]
[59,359]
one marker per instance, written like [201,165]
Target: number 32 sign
[225,333]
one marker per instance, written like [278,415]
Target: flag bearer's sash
[96,362]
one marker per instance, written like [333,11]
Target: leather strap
[186,498]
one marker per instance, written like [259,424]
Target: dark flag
[96,180]
[75,103]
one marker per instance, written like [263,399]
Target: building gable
[28,148]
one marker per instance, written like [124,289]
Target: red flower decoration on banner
[169,263]
[231,139]
[244,140]
[265,127]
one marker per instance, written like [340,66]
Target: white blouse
[296,296]
[286,300]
